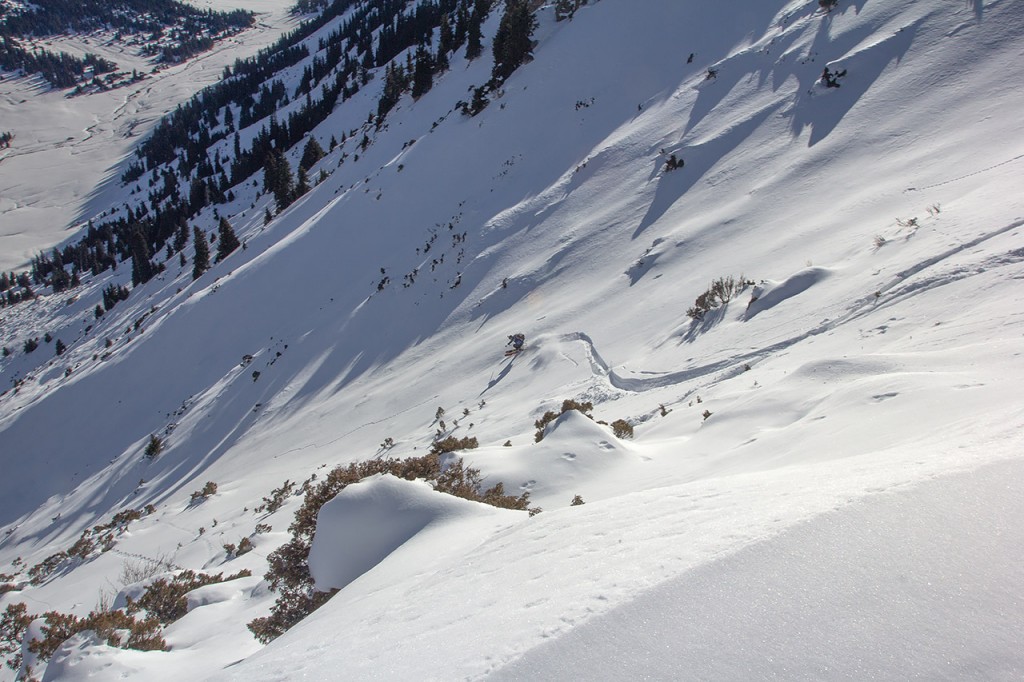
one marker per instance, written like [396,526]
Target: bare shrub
[451,444]
[45,568]
[209,490]
[142,568]
[622,428]
[165,598]
[13,623]
[277,498]
[109,626]
[719,292]
[576,501]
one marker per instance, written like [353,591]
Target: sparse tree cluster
[513,44]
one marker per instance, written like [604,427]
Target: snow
[847,595]
[401,521]
[822,483]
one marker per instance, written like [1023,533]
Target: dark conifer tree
[302,185]
[513,43]
[474,37]
[311,153]
[445,44]
[423,72]
[227,241]
[201,261]
[142,268]
[277,178]
[198,196]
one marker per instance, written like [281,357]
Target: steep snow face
[880,347]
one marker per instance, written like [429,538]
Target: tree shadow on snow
[699,159]
[821,109]
[698,327]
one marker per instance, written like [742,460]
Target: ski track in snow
[898,289]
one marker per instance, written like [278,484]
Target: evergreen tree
[198,195]
[513,43]
[311,153]
[142,268]
[474,37]
[227,241]
[201,261]
[423,72]
[302,186]
[445,44]
[277,178]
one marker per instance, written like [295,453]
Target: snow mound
[573,427]
[85,656]
[769,294]
[369,521]
[576,454]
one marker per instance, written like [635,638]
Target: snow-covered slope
[881,220]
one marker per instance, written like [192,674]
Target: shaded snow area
[824,475]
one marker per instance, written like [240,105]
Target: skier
[516,341]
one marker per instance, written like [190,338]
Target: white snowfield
[825,477]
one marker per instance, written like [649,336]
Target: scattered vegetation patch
[288,572]
[451,444]
[115,628]
[208,490]
[277,498]
[550,416]
[165,598]
[13,623]
[719,292]
[154,447]
[622,428]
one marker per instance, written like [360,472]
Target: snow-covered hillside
[824,475]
